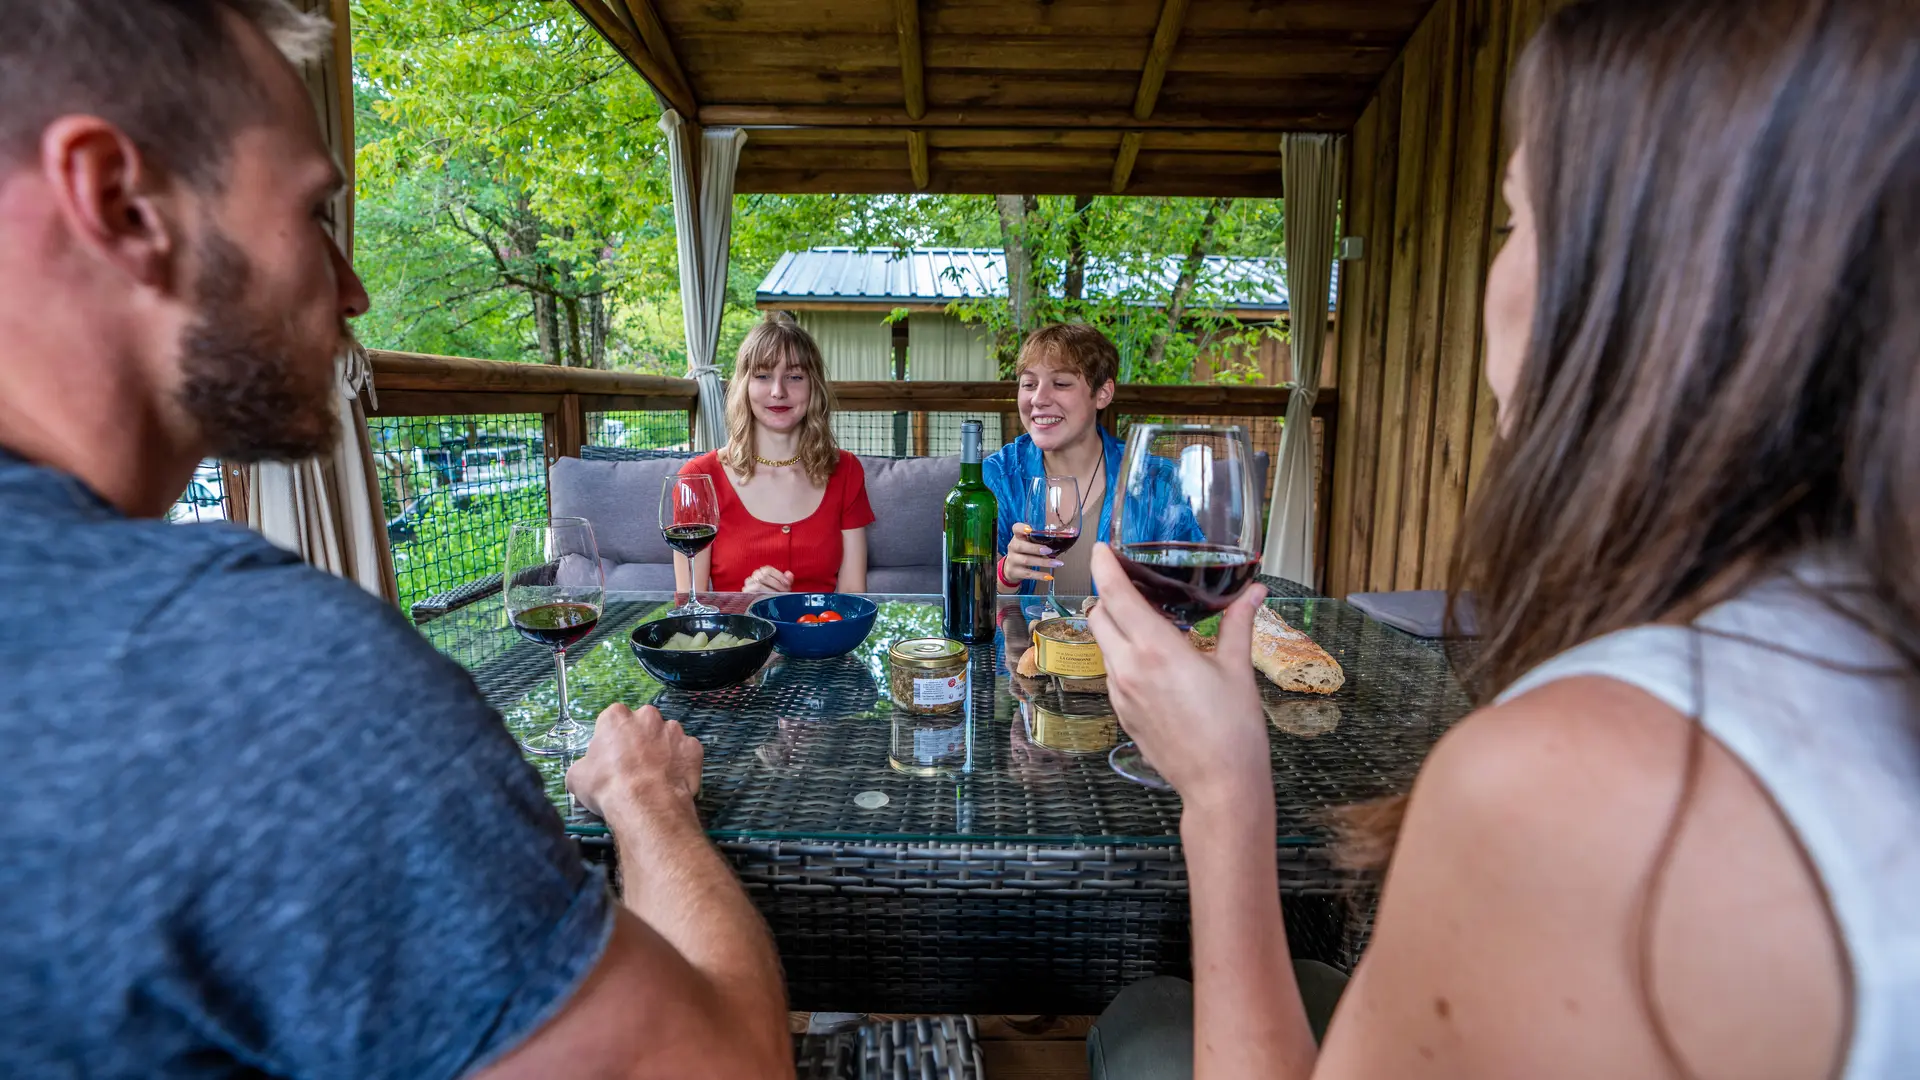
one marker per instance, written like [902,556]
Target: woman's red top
[809,549]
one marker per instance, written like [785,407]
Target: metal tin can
[1066,647]
[928,676]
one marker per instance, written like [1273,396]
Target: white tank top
[1837,748]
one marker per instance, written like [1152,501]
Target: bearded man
[253,824]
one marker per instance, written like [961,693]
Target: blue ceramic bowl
[817,641]
[708,669]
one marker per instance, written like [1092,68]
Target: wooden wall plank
[1409,221]
[1352,301]
[1483,33]
[1424,366]
[1372,328]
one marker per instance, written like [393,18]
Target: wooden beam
[417,372]
[673,91]
[1123,162]
[913,71]
[1230,118]
[917,159]
[1166,35]
[1092,181]
[463,403]
[654,33]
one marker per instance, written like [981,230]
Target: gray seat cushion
[903,543]
[622,500]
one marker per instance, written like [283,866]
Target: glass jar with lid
[928,676]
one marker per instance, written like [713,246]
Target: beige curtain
[703,225]
[327,509]
[1310,174]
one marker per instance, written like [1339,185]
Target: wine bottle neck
[971,473]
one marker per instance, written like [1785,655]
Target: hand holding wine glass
[554,592]
[1195,714]
[1186,532]
[1053,521]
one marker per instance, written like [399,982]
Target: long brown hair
[1724,365]
[773,339]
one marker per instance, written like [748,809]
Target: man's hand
[1026,560]
[1196,715]
[768,579]
[637,759]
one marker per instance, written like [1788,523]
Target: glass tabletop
[816,750]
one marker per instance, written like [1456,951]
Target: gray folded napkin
[1420,612]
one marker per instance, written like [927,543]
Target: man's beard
[244,382]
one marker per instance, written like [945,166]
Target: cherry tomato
[831,616]
[809,619]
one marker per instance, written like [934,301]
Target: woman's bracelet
[1000,571]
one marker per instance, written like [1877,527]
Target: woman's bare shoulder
[1534,877]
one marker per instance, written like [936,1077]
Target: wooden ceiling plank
[954,182]
[1272,117]
[1166,35]
[917,159]
[654,34]
[635,52]
[1123,161]
[913,70]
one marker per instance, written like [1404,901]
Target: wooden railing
[413,385]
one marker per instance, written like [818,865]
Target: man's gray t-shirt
[251,823]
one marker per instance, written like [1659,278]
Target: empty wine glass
[1186,528]
[689,521]
[1053,513]
[554,592]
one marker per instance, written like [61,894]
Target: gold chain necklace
[777,464]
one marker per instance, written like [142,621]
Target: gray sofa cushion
[908,496]
[622,499]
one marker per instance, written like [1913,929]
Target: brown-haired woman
[1683,839]
[793,505]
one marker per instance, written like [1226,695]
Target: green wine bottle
[972,524]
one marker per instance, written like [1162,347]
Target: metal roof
[886,278]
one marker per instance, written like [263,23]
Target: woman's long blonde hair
[778,337]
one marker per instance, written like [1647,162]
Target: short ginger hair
[1075,347]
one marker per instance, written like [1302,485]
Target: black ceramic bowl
[707,669]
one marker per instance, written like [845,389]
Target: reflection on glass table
[811,750]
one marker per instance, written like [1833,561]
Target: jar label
[940,691]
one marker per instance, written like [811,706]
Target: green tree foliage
[514,204]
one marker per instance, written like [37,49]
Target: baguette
[1288,658]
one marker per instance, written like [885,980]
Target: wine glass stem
[565,723]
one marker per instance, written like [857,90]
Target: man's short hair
[168,73]
[1076,347]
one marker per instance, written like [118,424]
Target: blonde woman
[793,505]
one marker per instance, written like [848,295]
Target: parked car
[200,502]
[405,526]
[487,463]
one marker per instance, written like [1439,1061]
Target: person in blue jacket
[1066,376]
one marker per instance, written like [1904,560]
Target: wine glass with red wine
[555,592]
[1186,528]
[1053,513]
[689,520]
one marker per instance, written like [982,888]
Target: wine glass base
[1128,761]
[554,742]
[694,607]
